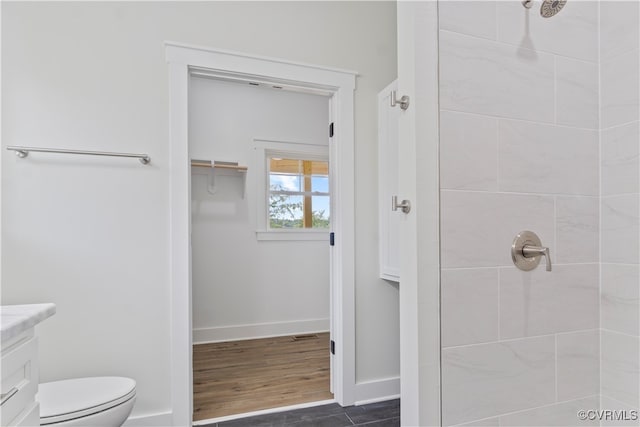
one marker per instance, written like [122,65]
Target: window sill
[293,235]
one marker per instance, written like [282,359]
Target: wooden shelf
[218,165]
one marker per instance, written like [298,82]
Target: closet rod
[23,152]
[207,164]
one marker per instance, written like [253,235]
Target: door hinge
[331,130]
[332,239]
[333,347]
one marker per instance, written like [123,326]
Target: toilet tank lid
[82,394]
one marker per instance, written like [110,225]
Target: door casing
[183,60]
[420,229]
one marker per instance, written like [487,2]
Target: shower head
[549,7]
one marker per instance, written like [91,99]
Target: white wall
[519,150]
[91,235]
[241,285]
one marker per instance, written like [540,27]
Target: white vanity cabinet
[20,363]
[20,382]
[388,220]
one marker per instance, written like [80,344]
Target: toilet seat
[80,397]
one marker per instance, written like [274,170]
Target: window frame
[305,191]
[265,149]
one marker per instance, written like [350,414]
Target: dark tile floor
[381,414]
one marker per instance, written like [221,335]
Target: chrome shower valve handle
[530,251]
[526,251]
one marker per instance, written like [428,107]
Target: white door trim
[420,230]
[339,84]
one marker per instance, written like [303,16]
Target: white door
[419,229]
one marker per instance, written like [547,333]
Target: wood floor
[242,376]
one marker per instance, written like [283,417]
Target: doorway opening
[337,86]
[261,222]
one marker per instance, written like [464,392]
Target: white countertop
[15,319]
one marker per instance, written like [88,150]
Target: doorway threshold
[263,412]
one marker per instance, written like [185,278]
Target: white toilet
[95,401]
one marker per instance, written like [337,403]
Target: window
[293,191]
[298,194]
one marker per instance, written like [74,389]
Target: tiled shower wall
[620,223]
[520,149]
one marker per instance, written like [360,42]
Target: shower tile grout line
[537,122]
[614,399]
[503,43]
[520,193]
[531,409]
[555,89]
[506,266]
[600,194]
[620,333]
[629,123]
[504,340]
[555,366]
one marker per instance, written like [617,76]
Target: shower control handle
[404,206]
[526,251]
[530,251]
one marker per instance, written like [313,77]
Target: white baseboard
[377,390]
[164,419]
[259,330]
